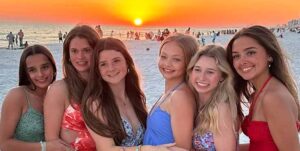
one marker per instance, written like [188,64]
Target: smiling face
[172,62]
[112,66]
[250,59]
[205,76]
[39,70]
[80,55]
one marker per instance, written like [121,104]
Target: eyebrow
[207,68]
[245,49]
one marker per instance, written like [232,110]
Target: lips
[201,84]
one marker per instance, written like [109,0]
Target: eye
[251,53]
[73,50]
[163,57]
[102,64]
[31,70]
[44,67]
[196,69]
[177,59]
[87,50]
[235,56]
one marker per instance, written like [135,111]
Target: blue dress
[159,130]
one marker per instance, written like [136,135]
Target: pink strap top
[73,120]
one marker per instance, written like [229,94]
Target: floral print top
[204,142]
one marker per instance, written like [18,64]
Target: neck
[203,98]
[84,75]
[119,91]
[259,81]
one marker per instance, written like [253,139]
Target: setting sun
[138,22]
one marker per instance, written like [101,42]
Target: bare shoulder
[183,96]
[57,92]
[277,97]
[278,101]
[14,99]
[58,85]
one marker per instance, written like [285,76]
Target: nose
[40,73]
[111,67]
[80,54]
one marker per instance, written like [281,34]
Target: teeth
[81,62]
[246,69]
[167,70]
[202,84]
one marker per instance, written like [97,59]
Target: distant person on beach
[60,37]
[63,118]
[22,121]
[217,124]
[21,36]
[262,78]
[16,40]
[26,44]
[176,107]
[114,104]
[99,31]
[65,35]
[214,36]
[10,37]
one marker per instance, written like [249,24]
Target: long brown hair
[279,67]
[75,83]
[98,92]
[24,78]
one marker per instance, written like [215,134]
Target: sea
[144,52]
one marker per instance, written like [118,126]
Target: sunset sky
[194,13]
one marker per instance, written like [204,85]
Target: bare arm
[278,111]
[54,107]
[108,144]
[11,113]
[225,140]
[182,109]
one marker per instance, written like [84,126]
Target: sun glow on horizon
[138,22]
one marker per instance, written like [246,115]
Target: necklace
[253,102]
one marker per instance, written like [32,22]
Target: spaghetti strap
[27,97]
[162,99]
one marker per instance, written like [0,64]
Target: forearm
[14,145]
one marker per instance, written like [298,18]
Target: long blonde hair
[207,116]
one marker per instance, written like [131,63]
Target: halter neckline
[253,102]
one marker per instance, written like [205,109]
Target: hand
[58,145]
[175,148]
[164,147]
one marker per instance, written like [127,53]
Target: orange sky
[195,13]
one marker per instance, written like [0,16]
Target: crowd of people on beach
[16,40]
[99,104]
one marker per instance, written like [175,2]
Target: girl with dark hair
[262,77]
[62,103]
[22,121]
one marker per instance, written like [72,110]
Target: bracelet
[138,148]
[43,146]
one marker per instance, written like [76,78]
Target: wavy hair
[279,67]
[98,92]
[207,117]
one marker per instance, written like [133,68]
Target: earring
[270,60]
[128,70]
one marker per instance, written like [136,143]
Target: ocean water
[145,60]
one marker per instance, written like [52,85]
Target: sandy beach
[145,60]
